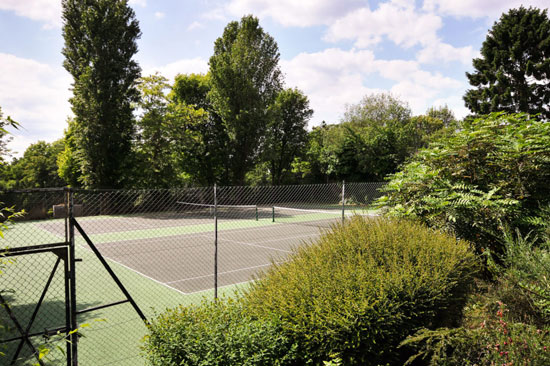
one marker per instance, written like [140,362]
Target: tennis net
[192,209]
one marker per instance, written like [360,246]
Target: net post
[272,213]
[215,242]
[343,201]
[256,213]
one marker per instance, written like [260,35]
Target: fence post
[343,201]
[67,271]
[73,338]
[215,242]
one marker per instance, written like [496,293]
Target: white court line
[219,273]
[283,238]
[254,245]
[138,272]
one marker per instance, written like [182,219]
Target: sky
[334,51]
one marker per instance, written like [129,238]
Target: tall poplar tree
[513,72]
[245,80]
[100,42]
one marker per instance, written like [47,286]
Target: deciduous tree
[245,79]
[100,42]
[286,132]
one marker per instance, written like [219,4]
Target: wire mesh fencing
[142,251]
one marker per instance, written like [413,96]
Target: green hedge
[216,333]
[353,296]
[364,287]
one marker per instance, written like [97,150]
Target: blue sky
[335,51]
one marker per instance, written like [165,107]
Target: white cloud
[396,20]
[46,11]
[159,15]
[439,51]
[195,25]
[142,3]
[302,13]
[186,66]
[36,95]
[215,14]
[334,77]
[479,9]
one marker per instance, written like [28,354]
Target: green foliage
[191,89]
[493,333]
[286,134]
[37,168]
[217,333]
[204,158]
[512,73]
[100,42]
[154,150]
[525,266]
[377,110]
[245,79]
[374,138]
[494,171]
[362,288]
[69,160]
[494,341]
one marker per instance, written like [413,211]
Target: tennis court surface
[164,248]
[181,254]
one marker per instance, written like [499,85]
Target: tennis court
[163,250]
[177,250]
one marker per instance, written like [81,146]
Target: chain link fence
[138,252]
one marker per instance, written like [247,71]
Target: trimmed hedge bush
[363,288]
[350,297]
[217,333]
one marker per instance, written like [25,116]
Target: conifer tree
[513,72]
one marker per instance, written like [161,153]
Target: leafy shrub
[493,342]
[494,170]
[525,273]
[216,333]
[362,288]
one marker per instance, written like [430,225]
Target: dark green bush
[494,341]
[525,273]
[216,333]
[493,171]
[361,289]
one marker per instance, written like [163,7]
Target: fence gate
[35,305]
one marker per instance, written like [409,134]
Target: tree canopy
[494,171]
[245,80]
[513,72]
[100,42]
